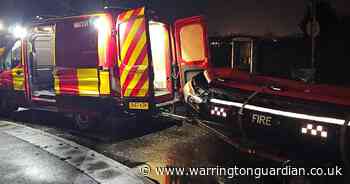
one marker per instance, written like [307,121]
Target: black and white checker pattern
[218,111]
[311,129]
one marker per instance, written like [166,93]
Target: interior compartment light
[19,31]
[101,24]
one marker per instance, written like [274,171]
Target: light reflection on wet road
[157,143]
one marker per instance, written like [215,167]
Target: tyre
[7,108]
[84,121]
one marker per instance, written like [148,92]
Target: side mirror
[304,74]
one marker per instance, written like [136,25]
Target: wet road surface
[23,163]
[32,156]
[154,143]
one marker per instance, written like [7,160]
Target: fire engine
[122,63]
[266,114]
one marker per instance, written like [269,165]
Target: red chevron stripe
[136,13]
[69,82]
[127,30]
[140,83]
[132,46]
[121,16]
[132,72]
[130,23]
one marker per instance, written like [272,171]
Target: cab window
[16,55]
[7,62]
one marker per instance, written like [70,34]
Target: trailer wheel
[85,121]
[6,108]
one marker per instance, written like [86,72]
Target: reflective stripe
[87,82]
[18,78]
[104,83]
[282,113]
[104,35]
[57,84]
[131,14]
[134,56]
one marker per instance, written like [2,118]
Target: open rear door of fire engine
[135,59]
[191,47]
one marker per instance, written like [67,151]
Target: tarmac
[30,156]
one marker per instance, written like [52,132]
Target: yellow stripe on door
[131,36]
[127,15]
[136,53]
[138,74]
[57,85]
[104,83]
[18,79]
[88,82]
[144,89]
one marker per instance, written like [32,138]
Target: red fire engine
[274,117]
[92,66]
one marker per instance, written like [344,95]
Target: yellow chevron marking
[127,15]
[142,12]
[144,90]
[140,70]
[136,53]
[104,83]
[18,79]
[131,35]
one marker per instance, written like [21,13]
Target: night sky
[224,16]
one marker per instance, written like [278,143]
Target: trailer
[119,63]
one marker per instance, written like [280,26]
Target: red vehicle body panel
[6,80]
[315,92]
[189,68]
[179,24]
[75,63]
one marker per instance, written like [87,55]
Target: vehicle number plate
[139,105]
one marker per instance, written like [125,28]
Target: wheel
[85,121]
[7,108]
[171,108]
